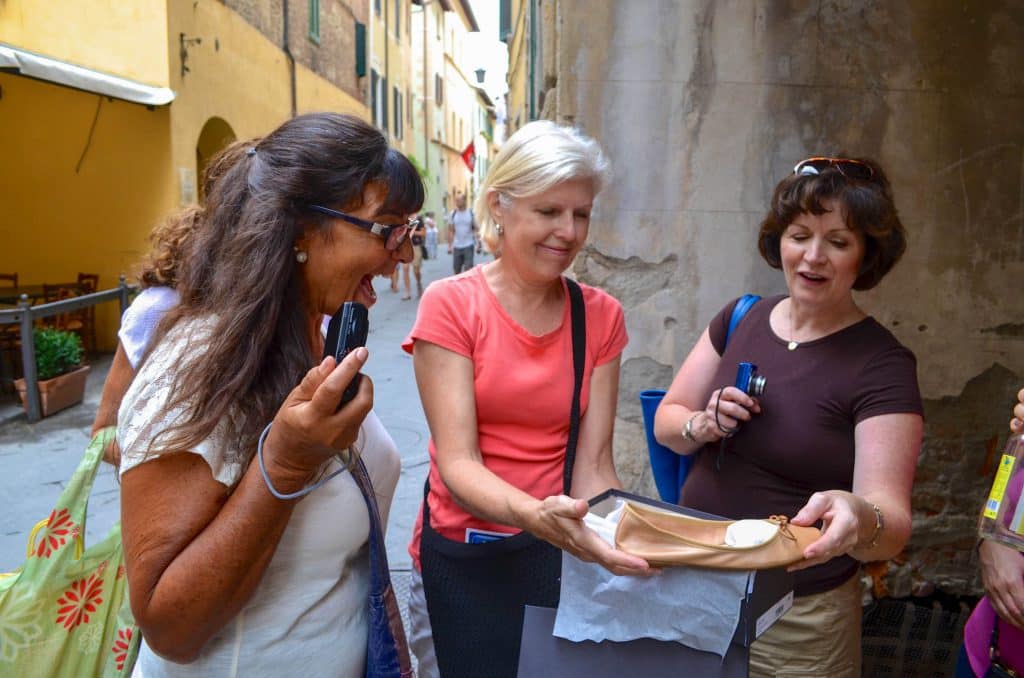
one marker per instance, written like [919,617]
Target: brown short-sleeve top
[803,440]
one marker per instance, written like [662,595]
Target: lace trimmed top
[137,422]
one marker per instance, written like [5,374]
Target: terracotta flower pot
[58,393]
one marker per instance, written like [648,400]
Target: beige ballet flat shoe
[665,539]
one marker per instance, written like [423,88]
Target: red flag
[469,156]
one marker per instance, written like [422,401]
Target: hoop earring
[301,256]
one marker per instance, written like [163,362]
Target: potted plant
[59,370]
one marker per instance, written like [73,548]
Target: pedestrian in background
[417,234]
[461,235]
[839,450]
[508,483]
[228,571]
[431,236]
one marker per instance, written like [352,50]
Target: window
[360,49]
[314,21]
[408,99]
[398,18]
[384,104]
[438,89]
[376,7]
[505,20]
[398,112]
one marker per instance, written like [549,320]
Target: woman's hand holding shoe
[559,521]
[309,428]
[844,527]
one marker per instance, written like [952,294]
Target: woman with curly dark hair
[833,437]
[243,517]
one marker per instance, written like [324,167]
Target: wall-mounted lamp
[480,72]
[185,44]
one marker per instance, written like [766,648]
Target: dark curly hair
[868,208]
[167,240]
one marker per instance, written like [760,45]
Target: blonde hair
[541,154]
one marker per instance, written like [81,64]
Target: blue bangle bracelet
[266,478]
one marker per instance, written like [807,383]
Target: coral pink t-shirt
[522,383]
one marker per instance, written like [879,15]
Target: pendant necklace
[793,343]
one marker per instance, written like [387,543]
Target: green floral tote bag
[65,611]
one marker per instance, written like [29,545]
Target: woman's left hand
[559,521]
[1002,574]
[1017,423]
[840,513]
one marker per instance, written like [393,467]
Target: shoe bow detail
[783,523]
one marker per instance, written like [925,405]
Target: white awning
[32,65]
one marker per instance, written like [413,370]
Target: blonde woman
[505,491]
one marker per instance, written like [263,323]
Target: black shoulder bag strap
[579,354]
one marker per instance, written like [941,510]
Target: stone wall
[704,105]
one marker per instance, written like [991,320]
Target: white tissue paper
[698,607]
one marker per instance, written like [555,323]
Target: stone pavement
[37,460]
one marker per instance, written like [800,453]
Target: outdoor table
[11,295]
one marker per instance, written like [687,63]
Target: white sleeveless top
[308,616]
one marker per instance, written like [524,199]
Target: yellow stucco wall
[317,94]
[239,75]
[398,66]
[114,36]
[57,221]
[517,106]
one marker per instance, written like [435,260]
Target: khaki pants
[819,636]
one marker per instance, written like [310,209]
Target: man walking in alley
[461,235]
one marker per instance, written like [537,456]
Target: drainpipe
[533,57]
[426,111]
[288,55]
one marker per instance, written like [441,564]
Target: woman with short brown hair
[833,437]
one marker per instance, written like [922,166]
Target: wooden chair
[10,278]
[10,355]
[89,282]
[71,321]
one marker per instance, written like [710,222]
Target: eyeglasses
[394,235]
[851,169]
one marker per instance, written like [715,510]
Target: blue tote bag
[669,468]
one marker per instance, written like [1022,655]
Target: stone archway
[215,135]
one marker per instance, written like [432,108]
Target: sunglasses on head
[393,235]
[851,169]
